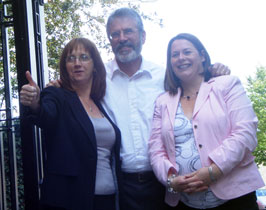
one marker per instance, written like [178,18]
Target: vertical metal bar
[40,72]
[24,62]
[2,166]
[2,176]
[29,57]
[38,42]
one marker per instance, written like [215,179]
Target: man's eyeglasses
[126,32]
[83,58]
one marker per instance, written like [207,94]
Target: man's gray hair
[125,12]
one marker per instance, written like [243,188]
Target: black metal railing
[9,178]
[21,157]
[11,173]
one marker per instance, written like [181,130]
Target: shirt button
[200,145]
[195,126]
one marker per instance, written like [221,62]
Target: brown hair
[99,76]
[171,81]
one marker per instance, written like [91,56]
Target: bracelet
[169,181]
[213,179]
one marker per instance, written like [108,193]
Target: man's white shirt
[130,103]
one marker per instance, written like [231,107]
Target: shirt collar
[145,68]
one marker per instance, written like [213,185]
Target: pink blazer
[224,125]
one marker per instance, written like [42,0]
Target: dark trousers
[104,202]
[141,191]
[100,202]
[47,207]
[245,202]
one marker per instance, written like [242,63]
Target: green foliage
[257,93]
[12,72]
[62,23]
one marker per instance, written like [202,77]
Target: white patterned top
[188,160]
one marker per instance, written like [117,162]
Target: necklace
[87,103]
[92,109]
[188,97]
[89,106]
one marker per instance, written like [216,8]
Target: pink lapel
[204,91]
[172,106]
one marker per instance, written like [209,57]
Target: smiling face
[186,61]
[125,38]
[79,66]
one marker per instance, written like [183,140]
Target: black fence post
[28,33]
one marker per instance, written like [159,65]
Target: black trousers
[100,202]
[104,202]
[141,191]
[47,207]
[245,202]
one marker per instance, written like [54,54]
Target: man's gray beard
[127,58]
[133,55]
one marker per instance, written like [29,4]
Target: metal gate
[23,48]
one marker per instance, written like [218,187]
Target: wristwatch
[169,181]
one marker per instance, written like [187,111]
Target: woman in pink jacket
[203,134]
